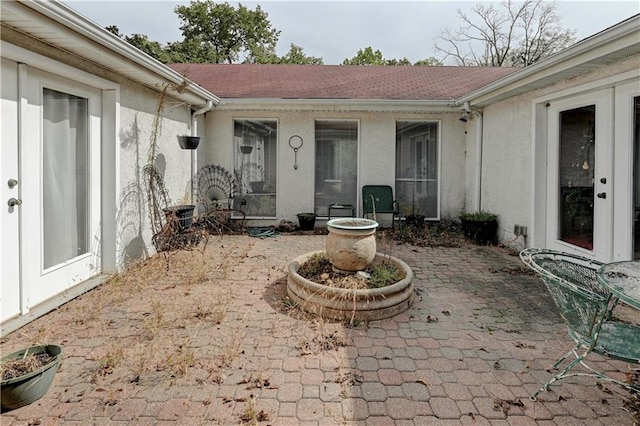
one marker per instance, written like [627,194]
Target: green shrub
[481,216]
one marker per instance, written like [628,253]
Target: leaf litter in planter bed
[28,364]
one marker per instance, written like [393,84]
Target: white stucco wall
[506,165]
[376,152]
[137,111]
[507,173]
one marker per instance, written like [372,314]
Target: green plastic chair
[585,307]
[378,199]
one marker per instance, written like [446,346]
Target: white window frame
[234,154]
[438,161]
[358,154]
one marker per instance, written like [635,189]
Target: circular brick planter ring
[345,304]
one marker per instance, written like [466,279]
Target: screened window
[336,164]
[417,168]
[255,168]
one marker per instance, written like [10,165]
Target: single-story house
[553,148]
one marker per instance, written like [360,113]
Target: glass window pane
[336,164]
[65,177]
[256,145]
[577,159]
[417,167]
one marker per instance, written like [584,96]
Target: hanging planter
[246,149]
[189,142]
[25,388]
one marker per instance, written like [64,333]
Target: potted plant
[412,217]
[182,214]
[307,221]
[480,227]
[189,142]
[27,374]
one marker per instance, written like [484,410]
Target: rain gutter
[69,18]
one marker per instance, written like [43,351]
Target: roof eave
[610,45]
[341,105]
[136,65]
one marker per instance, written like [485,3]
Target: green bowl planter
[23,390]
[189,142]
[307,221]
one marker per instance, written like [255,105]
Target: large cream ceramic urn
[351,244]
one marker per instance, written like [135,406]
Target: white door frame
[623,214]
[10,188]
[25,61]
[621,89]
[603,101]
[40,282]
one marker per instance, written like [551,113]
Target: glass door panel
[576,176]
[65,177]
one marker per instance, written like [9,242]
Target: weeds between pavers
[172,304]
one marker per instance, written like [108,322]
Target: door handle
[602,195]
[14,202]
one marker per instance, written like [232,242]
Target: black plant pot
[415,220]
[189,142]
[481,232]
[183,214]
[307,221]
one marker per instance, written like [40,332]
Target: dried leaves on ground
[379,274]
[444,233]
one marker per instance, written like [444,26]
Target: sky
[336,30]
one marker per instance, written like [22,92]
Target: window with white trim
[417,167]
[255,166]
[336,164]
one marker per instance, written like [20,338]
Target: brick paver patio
[210,341]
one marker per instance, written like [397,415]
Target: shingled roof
[254,81]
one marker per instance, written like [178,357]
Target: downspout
[479,129]
[194,155]
[477,197]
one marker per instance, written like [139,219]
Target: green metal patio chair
[585,307]
[378,199]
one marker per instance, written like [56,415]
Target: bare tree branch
[508,34]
